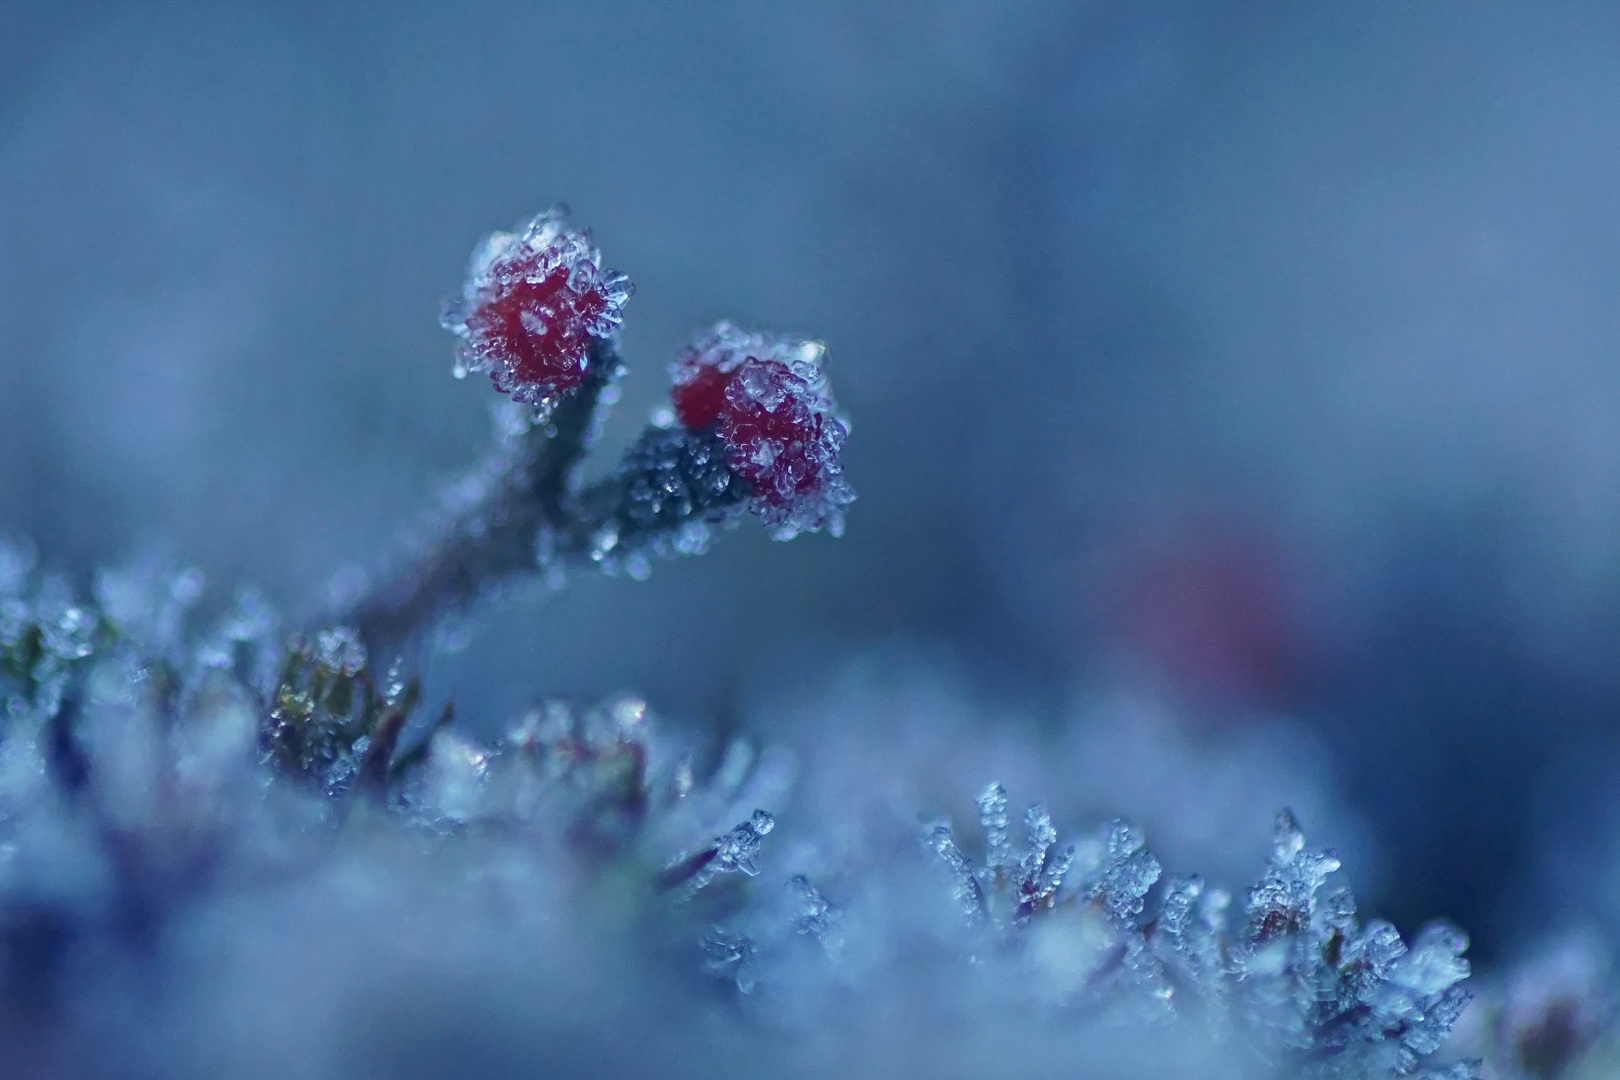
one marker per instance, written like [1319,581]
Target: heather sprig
[758,431]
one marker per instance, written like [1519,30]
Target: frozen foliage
[1010,887]
[1315,991]
[768,400]
[1344,996]
[534,302]
[158,786]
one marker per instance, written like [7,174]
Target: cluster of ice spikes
[1314,991]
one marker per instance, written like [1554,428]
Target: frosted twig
[753,425]
[529,516]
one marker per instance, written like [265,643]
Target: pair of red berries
[536,300]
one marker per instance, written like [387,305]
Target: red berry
[533,303]
[768,400]
[698,403]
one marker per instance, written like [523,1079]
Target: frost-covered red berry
[533,303]
[768,400]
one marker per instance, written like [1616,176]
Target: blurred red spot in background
[1214,612]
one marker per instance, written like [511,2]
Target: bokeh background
[1252,363]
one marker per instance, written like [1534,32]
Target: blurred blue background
[1259,357]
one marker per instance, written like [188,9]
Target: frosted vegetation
[229,846]
[153,769]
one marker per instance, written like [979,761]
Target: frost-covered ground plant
[232,847]
[1299,977]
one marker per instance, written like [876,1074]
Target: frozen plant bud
[769,401]
[533,304]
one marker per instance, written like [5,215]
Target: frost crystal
[1345,1000]
[735,852]
[1190,938]
[817,916]
[769,401]
[969,893]
[1128,872]
[993,817]
[533,302]
[1284,900]
[1008,889]
[340,651]
[727,955]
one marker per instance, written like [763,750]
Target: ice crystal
[340,651]
[993,817]
[1010,888]
[817,917]
[1128,871]
[533,303]
[1339,995]
[728,955]
[48,641]
[451,787]
[1190,939]
[967,889]
[735,852]
[769,401]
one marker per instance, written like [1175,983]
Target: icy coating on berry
[769,401]
[533,303]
